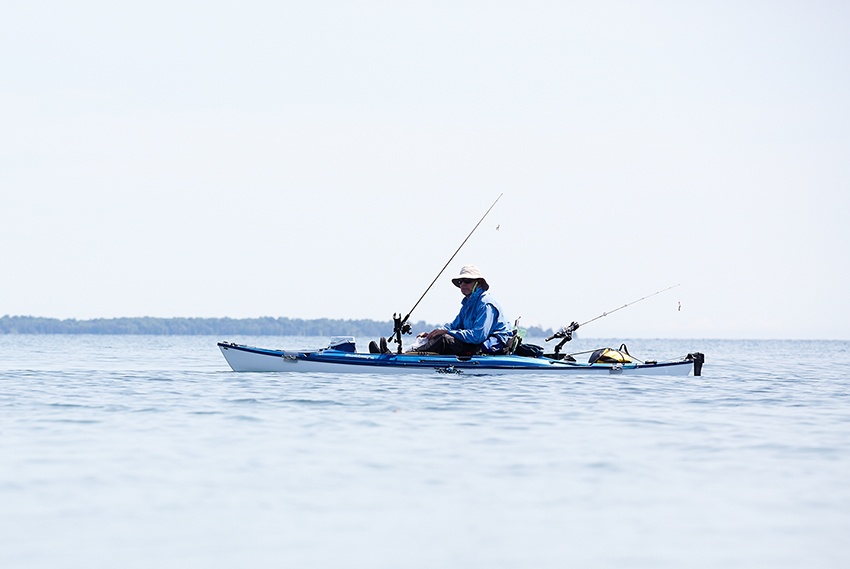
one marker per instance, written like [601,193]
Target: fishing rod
[567,331]
[400,325]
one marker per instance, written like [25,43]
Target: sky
[325,159]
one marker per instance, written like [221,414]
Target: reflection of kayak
[340,357]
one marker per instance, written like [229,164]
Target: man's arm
[481,327]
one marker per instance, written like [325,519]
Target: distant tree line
[266,326]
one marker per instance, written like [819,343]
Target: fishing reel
[566,333]
[400,326]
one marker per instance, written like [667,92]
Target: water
[148,452]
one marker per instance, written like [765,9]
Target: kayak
[340,356]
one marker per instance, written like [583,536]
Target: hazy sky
[325,159]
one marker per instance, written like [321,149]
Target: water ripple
[156,451]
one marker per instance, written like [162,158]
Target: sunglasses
[466,281]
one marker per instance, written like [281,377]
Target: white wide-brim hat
[471,272]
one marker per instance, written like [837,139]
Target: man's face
[467,286]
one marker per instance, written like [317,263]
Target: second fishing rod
[566,333]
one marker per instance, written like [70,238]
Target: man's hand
[436,333]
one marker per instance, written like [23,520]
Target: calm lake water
[147,451]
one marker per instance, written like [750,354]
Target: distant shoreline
[264,326]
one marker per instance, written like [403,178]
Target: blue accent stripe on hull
[474,363]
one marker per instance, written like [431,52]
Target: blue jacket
[481,322]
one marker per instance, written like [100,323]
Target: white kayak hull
[249,359]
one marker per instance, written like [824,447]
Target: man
[481,325]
